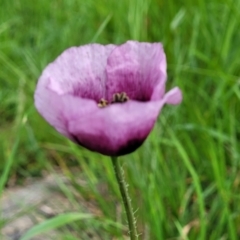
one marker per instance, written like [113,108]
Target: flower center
[117,98]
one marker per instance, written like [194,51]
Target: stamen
[120,97]
[117,98]
[102,103]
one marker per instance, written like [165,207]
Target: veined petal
[57,109]
[79,71]
[136,68]
[117,129]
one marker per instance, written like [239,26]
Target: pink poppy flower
[106,98]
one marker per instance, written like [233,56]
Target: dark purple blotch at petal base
[130,146]
[70,89]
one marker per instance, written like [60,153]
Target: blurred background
[185,179]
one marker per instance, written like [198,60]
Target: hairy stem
[126,199]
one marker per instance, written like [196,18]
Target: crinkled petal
[136,68]
[79,71]
[57,109]
[117,129]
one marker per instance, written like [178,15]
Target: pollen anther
[120,97]
[117,98]
[102,103]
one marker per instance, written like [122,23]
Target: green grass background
[185,179]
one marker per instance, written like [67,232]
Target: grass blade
[54,223]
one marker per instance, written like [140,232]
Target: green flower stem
[126,199]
